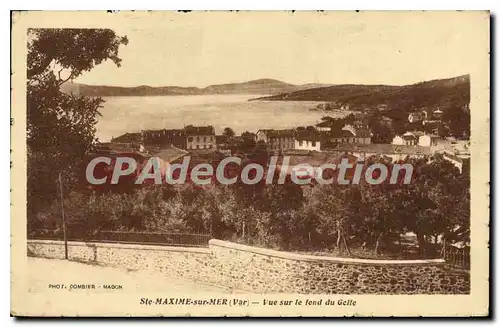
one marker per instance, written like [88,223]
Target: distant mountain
[263,86]
[260,86]
[441,92]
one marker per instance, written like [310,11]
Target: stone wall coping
[305,257]
[126,246]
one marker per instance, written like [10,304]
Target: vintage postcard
[250,164]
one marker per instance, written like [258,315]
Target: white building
[310,145]
[405,139]
[307,139]
[428,140]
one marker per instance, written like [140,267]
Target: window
[197,146]
[313,143]
[204,138]
[190,139]
[210,146]
[301,143]
[204,146]
[197,139]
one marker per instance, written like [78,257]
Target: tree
[458,120]
[228,132]
[61,127]
[248,143]
[443,131]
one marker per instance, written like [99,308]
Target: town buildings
[416,138]
[164,137]
[189,138]
[349,134]
[390,151]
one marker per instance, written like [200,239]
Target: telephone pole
[63,218]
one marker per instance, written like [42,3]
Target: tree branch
[67,79]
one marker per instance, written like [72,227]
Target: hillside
[260,86]
[441,92]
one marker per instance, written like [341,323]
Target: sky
[204,48]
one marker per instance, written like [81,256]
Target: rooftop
[383,149]
[415,133]
[127,138]
[199,130]
[116,147]
[341,133]
[278,133]
[324,123]
[163,131]
[409,137]
[170,154]
[307,135]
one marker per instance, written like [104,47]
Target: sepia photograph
[250,163]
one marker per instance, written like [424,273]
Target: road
[44,272]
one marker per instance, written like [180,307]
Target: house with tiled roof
[200,137]
[408,140]
[307,139]
[164,138]
[276,140]
[341,136]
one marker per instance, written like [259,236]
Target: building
[405,140]
[166,156]
[459,148]
[341,136]
[349,128]
[415,117]
[164,138]
[363,136]
[277,139]
[200,137]
[324,126]
[437,114]
[455,160]
[428,140]
[128,138]
[408,138]
[307,139]
[315,160]
[115,148]
[390,151]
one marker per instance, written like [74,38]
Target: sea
[129,114]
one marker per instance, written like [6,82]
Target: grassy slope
[442,92]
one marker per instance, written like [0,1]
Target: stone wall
[260,270]
[267,271]
[183,262]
